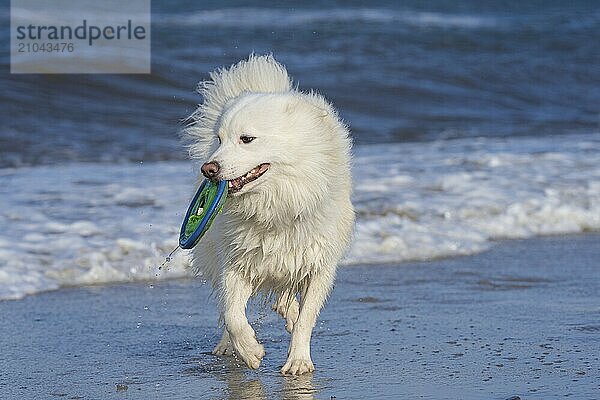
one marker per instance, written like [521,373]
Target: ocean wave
[275,17]
[81,224]
[455,197]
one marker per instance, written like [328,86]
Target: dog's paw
[297,367]
[248,349]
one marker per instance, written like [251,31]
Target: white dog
[288,218]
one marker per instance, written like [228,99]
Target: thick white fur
[284,233]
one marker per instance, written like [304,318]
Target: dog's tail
[257,74]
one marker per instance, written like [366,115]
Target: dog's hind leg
[236,292]
[224,347]
[287,306]
[311,302]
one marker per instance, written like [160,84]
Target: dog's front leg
[313,298]
[236,292]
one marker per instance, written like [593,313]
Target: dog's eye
[219,139]
[246,139]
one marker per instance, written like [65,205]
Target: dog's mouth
[235,185]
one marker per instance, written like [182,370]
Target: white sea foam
[82,224]
[453,197]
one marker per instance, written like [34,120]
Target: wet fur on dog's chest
[272,258]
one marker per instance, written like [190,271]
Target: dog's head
[250,134]
[281,153]
[270,142]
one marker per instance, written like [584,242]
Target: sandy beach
[521,319]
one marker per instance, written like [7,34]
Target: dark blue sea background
[398,71]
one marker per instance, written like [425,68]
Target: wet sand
[522,319]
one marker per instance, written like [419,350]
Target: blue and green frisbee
[206,204]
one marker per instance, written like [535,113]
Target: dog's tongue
[236,184]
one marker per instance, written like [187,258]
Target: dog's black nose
[210,169]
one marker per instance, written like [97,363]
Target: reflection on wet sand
[244,384]
[238,385]
[298,388]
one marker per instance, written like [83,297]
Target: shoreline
[520,319]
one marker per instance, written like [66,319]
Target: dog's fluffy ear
[257,74]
